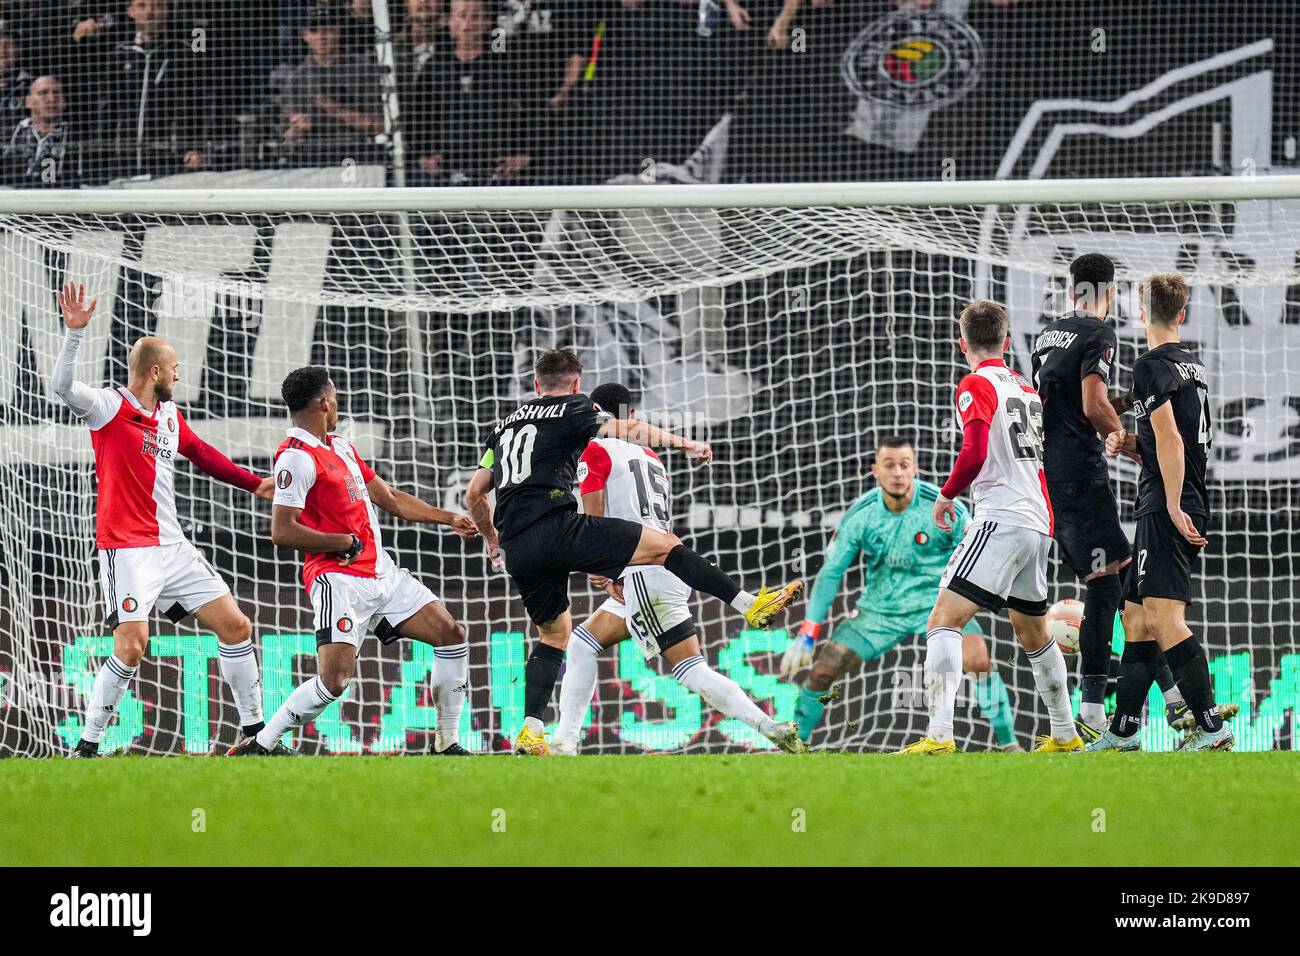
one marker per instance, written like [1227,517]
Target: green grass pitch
[855,809]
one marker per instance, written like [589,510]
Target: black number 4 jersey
[1171,373]
[533,454]
[1065,353]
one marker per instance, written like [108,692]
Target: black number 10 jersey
[533,454]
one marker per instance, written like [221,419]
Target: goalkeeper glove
[799,655]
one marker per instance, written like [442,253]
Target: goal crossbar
[681,196]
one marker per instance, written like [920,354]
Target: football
[1063,620]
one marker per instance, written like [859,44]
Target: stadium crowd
[97,90]
[569,91]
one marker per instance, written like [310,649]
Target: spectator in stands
[417,42]
[48,32]
[468,123]
[14,80]
[550,41]
[148,104]
[329,104]
[37,153]
[778,34]
[359,29]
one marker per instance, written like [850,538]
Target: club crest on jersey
[964,401]
[284,478]
[921,537]
[171,424]
[129,604]
[344,625]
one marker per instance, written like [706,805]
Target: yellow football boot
[927,746]
[1050,745]
[530,744]
[768,604]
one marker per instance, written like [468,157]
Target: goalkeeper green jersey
[903,558]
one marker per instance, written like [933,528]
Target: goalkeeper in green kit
[905,554]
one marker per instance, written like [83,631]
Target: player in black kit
[1174,426]
[530,460]
[1074,358]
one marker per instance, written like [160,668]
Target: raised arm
[87,403]
[652,436]
[410,508]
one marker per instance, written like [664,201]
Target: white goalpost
[790,325]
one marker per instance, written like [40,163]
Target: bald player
[144,561]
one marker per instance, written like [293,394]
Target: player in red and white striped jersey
[144,560]
[325,502]
[621,479]
[1002,562]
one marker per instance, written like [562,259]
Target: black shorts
[1087,524]
[1163,560]
[540,558]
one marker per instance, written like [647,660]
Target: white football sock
[110,683]
[302,707]
[1051,679]
[942,676]
[578,685]
[449,686]
[1094,715]
[238,663]
[723,694]
[743,601]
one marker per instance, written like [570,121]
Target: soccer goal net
[791,326]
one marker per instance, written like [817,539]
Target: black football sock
[1136,671]
[1168,686]
[1100,603]
[252,729]
[1094,688]
[540,674]
[699,574]
[1192,671]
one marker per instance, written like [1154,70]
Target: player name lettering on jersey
[534,412]
[1055,339]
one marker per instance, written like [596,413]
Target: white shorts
[347,608]
[658,613]
[175,577]
[999,565]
